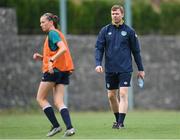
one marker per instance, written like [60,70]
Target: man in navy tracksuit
[116,42]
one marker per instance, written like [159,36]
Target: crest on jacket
[123,33]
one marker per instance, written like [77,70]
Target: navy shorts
[57,77]
[116,80]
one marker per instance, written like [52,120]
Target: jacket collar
[118,24]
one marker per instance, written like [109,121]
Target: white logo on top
[123,33]
[109,33]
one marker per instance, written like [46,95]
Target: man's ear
[123,15]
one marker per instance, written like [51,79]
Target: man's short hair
[115,7]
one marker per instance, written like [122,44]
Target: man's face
[116,15]
[45,24]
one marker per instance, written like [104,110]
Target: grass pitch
[93,125]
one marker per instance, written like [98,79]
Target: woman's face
[45,24]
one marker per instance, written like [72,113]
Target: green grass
[94,125]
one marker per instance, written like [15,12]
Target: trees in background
[88,16]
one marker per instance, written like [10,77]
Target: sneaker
[115,126]
[54,131]
[120,126]
[69,132]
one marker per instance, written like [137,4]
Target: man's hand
[99,69]
[141,74]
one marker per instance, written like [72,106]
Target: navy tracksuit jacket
[117,44]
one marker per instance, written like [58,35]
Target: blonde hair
[115,7]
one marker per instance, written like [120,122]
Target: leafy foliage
[88,16]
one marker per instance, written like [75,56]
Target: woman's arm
[62,49]
[37,56]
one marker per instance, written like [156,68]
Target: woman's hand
[37,56]
[50,67]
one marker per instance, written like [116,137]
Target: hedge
[88,16]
